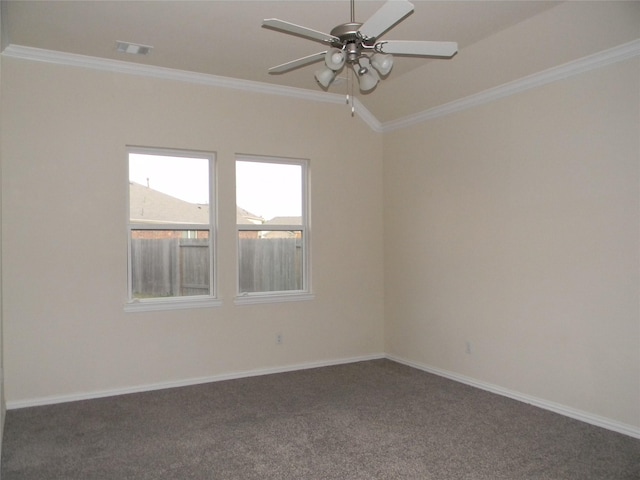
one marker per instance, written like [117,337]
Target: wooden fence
[174,267]
[169,267]
[270,264]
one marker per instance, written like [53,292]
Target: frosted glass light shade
[334,58]
[325,76]
[382,62]
[367,80]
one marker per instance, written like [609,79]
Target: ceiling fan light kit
[325,77]
[368,78]
[357,45]
[334,59]
[383,62]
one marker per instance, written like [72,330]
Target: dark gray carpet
[369,420]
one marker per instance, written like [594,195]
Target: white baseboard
[50,400]
[586,417]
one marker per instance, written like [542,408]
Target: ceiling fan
[358,46]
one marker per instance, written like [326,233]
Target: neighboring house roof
[284,221]
[244,217]
[147,205]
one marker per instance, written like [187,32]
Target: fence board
[169,267]
[270,264]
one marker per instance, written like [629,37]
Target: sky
[264,189]
[269,189]
[180,177]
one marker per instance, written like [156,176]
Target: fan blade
[301,62]
[298,30]
[420,48]
[386,17]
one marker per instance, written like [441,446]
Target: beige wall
[514,226]
[64,232]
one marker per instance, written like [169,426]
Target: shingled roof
[147,205]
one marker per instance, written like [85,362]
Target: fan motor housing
[350,40]
[347,32]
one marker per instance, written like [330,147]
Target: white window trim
[273,297]
[179,303]
[253,298]
[185,302]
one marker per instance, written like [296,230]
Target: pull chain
[350,74]
[350,97]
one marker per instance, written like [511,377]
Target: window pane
[166,189]
[169,263]
[269,193]
[270,261]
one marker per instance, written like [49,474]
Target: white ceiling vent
[133,48]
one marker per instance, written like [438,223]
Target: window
[273,229]
[170,229]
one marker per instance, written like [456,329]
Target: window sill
[170,304]
[253,299]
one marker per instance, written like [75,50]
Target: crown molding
[575,67]
[366,116]
[118,66]
[590,62]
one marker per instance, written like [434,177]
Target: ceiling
[498,41]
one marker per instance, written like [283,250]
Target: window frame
[187,301]
[249,298]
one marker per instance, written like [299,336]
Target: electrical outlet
[468,348]
[278,339]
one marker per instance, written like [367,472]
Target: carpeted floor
[368,420]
